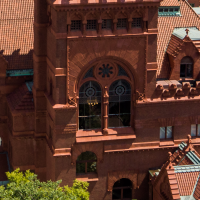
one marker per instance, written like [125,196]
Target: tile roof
[183,172]
[186,178]
[170,3]
[66,2]
[22,98]
[166,25]
[16,32]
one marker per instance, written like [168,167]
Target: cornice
[103,6]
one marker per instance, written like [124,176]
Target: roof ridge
[192,9]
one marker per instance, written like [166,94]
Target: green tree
[26,186]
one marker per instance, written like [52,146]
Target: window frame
[86,163]
[197,129]
[107,83]
[122,190]
[172,131]
[136,19]
[120,22]
[186,65]
[90,24]
[76,29]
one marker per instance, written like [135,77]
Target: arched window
[119,104]
[90,106]
[86,162]
[186,68]
[122,190]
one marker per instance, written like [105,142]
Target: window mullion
[166,132]
[105,109]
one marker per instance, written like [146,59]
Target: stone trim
[114,176]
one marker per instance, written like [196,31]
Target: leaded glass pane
[75,25]
[89,73]
[136,23]
[121,72]
[169,132]
[198,132]
[193,130]
[122,23]
[189,70]
[91,25]
[90,106]
[162,132]
[119,104]
[106,23]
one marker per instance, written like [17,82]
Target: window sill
[97,135]
[195,140]
[166,143]
[89,177]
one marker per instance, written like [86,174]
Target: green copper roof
[190,154]
[169,11]
[186,168]
[193,33]
[197,10]
[19,72]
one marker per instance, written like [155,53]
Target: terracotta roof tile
[196,194]
[21,99]
[16,32]
[166,25]
[186,182]
[170,3]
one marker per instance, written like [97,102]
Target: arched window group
[105,99]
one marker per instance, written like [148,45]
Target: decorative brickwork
[117,175]
[96,148]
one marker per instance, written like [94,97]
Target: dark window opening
[122,23]
[186,68]
[106,23]
[166,133]
[119,104]
[121,71]
[91,24]
[90,106]
[76,25]
[89,73]
[136,23]
[122,190]
[86,163]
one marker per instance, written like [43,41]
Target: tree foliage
[26,186]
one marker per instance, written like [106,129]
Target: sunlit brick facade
[113,79]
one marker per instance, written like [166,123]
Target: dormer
[183,52]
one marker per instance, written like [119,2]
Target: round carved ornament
[106,70]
